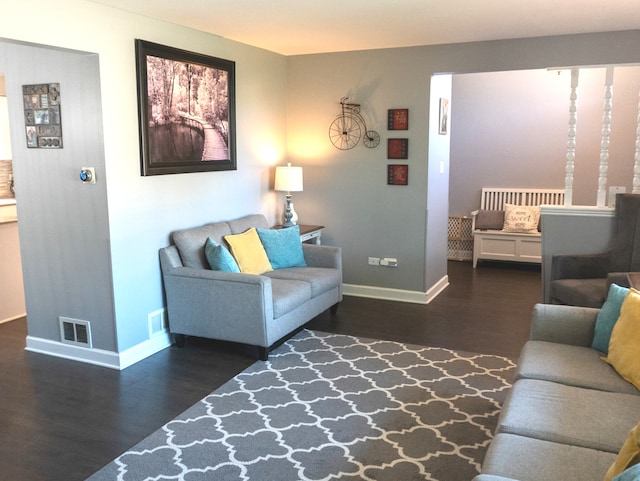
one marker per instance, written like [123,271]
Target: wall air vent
[157,322]
[75,331]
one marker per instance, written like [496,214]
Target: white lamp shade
[288,179]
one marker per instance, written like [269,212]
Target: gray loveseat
[568,413]
[259,310]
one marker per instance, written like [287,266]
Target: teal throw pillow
[607,317]
[283,247]
[219,258]
[629,474]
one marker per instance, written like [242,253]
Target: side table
[308,233]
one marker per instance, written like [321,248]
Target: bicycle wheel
[345,132]
[371,138]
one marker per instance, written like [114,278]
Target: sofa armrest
[620,278]
[563,324]
[322,256]
[581,266]
[229,306]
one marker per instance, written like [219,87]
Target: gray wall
[63,224]
[284,107]
[347,191]
[509,129]
[96,247]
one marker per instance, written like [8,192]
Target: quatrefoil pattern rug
[333,407]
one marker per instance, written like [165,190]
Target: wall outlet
[389,262]
[374,261]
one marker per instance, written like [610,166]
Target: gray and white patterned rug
[327,406]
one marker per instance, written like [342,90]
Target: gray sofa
[259,310]
[568,412]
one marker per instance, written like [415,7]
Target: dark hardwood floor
[62,420]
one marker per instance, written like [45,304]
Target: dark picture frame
[398,119]
[397,174]
[397,148]
[443,118]
[186,111]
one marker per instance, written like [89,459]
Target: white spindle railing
[605,138]
[636,157]
[571,138]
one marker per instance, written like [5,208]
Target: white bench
[509,246]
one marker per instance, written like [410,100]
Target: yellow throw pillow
[628,456]
[624,345]
[248,252]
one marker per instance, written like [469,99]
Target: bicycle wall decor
[349,126]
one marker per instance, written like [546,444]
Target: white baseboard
[400,295]
[100,357]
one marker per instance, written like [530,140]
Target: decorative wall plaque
[42,119]
[398,174]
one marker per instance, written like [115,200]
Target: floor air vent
[75,331]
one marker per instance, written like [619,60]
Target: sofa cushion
[283,247]
[288,295]
[629,454]
[624,346]
[320,279]
[607,317]
[571,365]
[243,224]
[579,292]
[530,459]
[568,415]
[219,258]
[248,252]
[191,242]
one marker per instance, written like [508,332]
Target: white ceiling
[292,27]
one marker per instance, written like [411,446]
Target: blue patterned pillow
[219,258]
[607,317]
[283,247]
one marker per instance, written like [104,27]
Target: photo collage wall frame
[42,118]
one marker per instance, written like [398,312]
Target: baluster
[571,138]
[605,139]
[636,158]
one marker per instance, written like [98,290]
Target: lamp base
[288,213]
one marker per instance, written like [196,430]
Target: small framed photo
[397,174]
[398,119]
[397,148]
[443,128]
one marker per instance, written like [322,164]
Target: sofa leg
[334,309]
[180,339]
[263,353]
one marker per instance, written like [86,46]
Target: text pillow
[521,218]
[283,247]
[624,346]
[248,252]
[219,258]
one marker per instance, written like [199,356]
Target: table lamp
[288,179]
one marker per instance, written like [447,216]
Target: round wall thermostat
[88,175]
